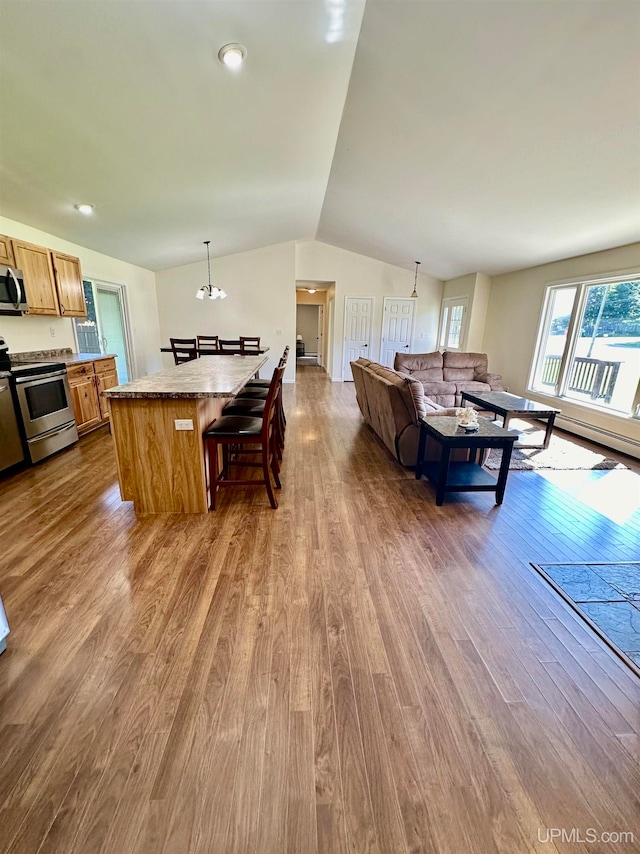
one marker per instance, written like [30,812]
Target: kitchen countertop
[81,358]
[220,377]
[66,356]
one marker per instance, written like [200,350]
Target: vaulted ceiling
[475,136]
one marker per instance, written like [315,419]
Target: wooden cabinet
[68,277]
[87,382]
[6,251]
[37,267]
[53,280]
[106,377]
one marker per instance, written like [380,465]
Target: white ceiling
[474,136]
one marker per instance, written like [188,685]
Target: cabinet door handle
[62,309]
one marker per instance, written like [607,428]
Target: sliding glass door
[105,329]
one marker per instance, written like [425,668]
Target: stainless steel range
[44,404]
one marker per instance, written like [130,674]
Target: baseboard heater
[598,434]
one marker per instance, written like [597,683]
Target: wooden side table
[463,476]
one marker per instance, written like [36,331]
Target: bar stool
[251,384]
[255,407]
[234,433]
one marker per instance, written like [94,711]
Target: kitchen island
[157,424]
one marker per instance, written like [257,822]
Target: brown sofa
[392,404]
[445,375]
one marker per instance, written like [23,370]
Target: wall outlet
[183,424]
[424,335]
[278,331]
[52,331]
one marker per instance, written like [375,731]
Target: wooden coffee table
[510,405]
[465,476]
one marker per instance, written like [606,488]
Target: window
[589,344]
[452,329]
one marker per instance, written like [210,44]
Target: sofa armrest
[493,380]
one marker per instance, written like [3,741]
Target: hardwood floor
[357,671]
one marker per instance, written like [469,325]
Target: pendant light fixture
[209,290]
[415,282]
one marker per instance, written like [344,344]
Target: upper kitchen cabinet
[53,280]
[69,283]
[37,267]
[6,251]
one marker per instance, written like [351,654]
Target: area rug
[561,454]
[607,597]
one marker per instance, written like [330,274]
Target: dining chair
[183,349]
[249,345]
[238,436]
[207,343]
[231,346]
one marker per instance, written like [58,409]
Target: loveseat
[444,376]
[392,402]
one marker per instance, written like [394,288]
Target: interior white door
[397,328]
[357,332]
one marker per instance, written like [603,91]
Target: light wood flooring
[359,670]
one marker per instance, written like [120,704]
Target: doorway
[105,329]
[453,324]
[309,334]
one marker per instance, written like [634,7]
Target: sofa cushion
[423,366]
[463,366]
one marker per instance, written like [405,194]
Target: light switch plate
[183,423]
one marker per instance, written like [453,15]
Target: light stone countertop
[223,376]
[81,358]
[66,356]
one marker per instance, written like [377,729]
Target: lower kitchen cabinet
[87,381]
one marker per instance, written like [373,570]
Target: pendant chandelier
[415,282]
[209,290]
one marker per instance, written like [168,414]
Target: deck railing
[594,377]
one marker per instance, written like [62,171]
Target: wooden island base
[161,469]
[161,465]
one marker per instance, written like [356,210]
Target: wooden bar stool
[239,435]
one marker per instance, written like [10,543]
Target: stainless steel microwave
[13,297]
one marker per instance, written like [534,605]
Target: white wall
[261,300]
[515,307]
[33,333]
[357,275]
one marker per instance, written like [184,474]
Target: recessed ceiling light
[84,209]
[232,55]
[311,290]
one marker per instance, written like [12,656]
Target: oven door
[45,403]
